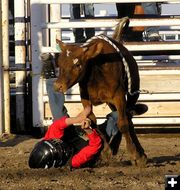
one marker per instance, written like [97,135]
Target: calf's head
[72,62]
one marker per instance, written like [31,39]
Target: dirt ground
[163,153]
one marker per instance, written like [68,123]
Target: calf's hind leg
[127,129]
[140,157]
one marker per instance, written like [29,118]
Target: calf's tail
[120,28]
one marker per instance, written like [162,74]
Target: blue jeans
[151,8]
[75,13]
[56,100]
[111,125]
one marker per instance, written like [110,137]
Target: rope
[126,66]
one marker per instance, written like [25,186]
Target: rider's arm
[89,151]
[56,130]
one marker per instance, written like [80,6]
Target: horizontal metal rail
[17,69]
[89,23]
[157,121]
[101,1]
[157,57]
[153,46]
[138,46]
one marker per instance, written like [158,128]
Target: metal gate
[14,65]
[162,94]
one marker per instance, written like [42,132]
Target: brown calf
[107,73]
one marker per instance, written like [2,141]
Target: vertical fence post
[20,60]
[1,77]
[28,31]
[5,63]
[37,80]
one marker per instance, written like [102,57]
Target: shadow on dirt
[163,160]
[7,140]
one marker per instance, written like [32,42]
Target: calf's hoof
[106,153]
[140,161]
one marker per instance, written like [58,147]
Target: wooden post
[20,59]
[5,64]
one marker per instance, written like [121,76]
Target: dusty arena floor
[163,153]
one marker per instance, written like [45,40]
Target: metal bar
[37,80]
[160,97]
[28,38]
[17,69]
[89,23]
[1,77]
[45,16]
[20,58]
[135,47]
[158,57]
[101,1]
[159,72]
[5,62]
[55,16]
[156,46]
[157,121]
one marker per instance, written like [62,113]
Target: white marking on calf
[68,53]
[75,61]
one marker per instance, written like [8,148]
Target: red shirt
[56,130]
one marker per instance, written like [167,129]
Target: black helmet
[49,153]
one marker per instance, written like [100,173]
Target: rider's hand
[86,125]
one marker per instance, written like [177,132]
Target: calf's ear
[93,50]
[62,46]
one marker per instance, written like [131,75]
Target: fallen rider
[62,144]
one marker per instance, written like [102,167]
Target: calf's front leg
[106,152]
[91,116]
